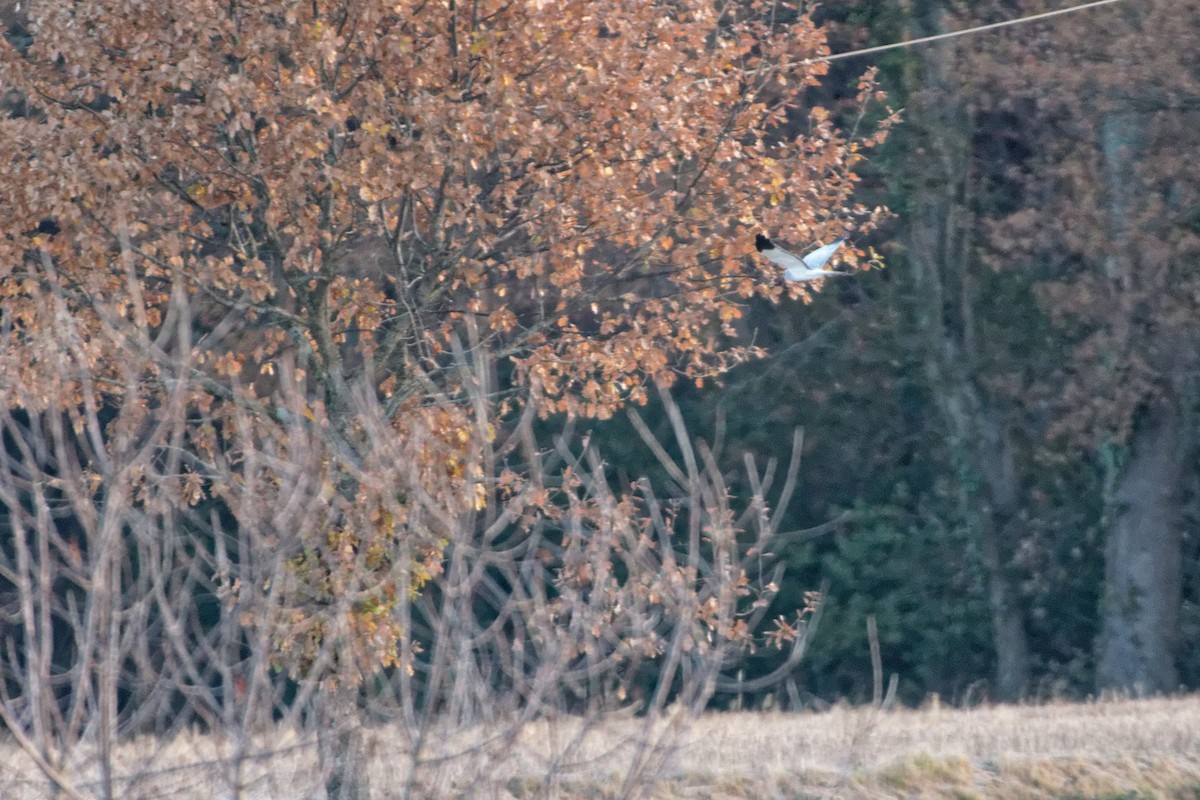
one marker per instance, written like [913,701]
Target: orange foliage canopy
[354,178]
[260,233]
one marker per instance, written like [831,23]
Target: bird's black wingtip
[762,243]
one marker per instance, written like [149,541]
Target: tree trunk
[938,246]
[1142,572]
[990,489]
[340,743]
[1142,583]
[1008,624]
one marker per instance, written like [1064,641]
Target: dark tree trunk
[1142,583]
[1008,622]
[1142,570]
[991,498]
[939,238]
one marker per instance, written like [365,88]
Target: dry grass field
[1110,749]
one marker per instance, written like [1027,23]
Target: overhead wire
[965,31]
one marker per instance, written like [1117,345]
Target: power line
[950,34]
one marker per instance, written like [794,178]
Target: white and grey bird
[795,268]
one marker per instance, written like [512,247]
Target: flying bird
[795,268]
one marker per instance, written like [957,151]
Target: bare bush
[243,566]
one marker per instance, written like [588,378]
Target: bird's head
[762,243]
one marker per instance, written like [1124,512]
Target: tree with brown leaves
[284,240]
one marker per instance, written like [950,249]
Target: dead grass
[1112,749]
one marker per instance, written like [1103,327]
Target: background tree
[1109,110]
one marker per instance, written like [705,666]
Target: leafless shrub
[108,570]
[197,556]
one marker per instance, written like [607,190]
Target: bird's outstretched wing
[817,258]
[795,268]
